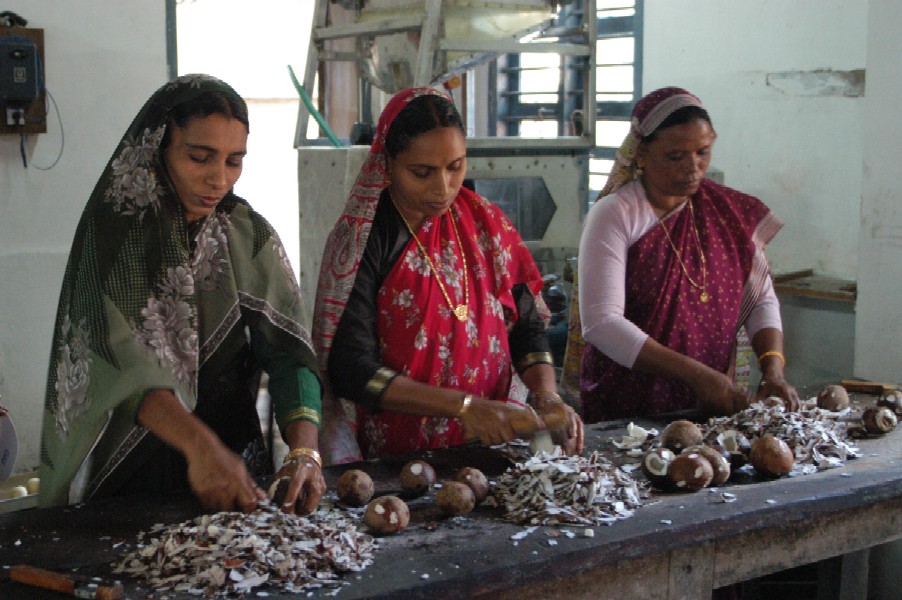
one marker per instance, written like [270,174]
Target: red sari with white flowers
[419,335]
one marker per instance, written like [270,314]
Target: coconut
[355,487]
[833,398]
[892,400]
[386,514]
[655,464]
[771,456]
[719,460]
[879,419]
[417,478]
[455,498]
[690,471]
[477,481]
[681,434]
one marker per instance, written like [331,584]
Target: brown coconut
[771,456]
[477,481]
[681,434]
[355,487]
[833,398]
[386,514]
[690,471]
[455,498]
[417,478]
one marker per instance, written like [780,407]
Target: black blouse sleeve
[355,369]
[527,339]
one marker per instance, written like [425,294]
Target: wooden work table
[680,547]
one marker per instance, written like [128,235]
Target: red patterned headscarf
[341,259]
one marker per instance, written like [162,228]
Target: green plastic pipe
[305,98]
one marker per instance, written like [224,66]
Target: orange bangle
[773,353]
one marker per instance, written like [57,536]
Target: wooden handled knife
[74,585]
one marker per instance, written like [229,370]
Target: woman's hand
[217,475]
[545,402]
[299,485]
[220,480]
[717,394]
[574,442]
[774,384]
[494,422]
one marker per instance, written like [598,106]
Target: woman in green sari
[175,298]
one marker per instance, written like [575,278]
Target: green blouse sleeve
[295,390]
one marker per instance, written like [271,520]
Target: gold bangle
[309,452]
[773,353]
[465,405]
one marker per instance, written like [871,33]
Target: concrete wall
[103,58]
[878,345]
[785,133]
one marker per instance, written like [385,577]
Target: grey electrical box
[18,72]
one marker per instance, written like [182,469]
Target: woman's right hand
[220,480]
[493,422]
[717,394]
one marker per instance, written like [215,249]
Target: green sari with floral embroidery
[149,301]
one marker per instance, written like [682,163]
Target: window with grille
[540,94]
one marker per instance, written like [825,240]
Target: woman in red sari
[671,265]
[428,319]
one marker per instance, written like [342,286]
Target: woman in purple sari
[671,265]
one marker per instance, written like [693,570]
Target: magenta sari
[662,302]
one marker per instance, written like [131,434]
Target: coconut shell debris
[818,438]
[231,553]
[552,489]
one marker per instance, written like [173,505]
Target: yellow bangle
[465,405]
[773,353]
[309,452]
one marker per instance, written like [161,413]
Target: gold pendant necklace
[704,297]
[461,311]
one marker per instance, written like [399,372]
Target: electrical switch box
[22,94]
[18,72]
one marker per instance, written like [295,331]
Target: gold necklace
[461,311]
[704,297]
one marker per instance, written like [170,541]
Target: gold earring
[639,171]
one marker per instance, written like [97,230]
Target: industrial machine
[365,50]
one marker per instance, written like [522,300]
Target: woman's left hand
[775,384]
[298,486]
[574,443]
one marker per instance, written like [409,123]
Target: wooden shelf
[806,284]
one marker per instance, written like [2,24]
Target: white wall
[878,341]
[799,153]
[103,58]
